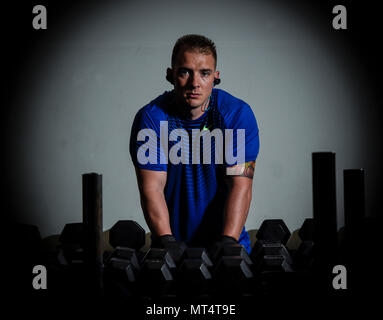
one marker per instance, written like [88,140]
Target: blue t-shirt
[195,190]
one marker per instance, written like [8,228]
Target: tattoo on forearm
[242,170]
[249,169]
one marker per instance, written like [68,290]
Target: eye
[205,73]
[183,72]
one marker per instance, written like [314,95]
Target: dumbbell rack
[319,275]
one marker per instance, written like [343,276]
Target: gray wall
[79,92]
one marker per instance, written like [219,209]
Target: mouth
[193,95]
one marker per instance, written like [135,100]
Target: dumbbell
[156,267]
[71,248]
[199,254]
[158,274]
[274,230]
[160,254]
[122,266]
[120,272]
[269,253]
[269,256]
[155,279]
[233,276]
[128,234]
[236,250]
[190,271]
[122,258]
[124,233]
[70,272]
[194,276]
[176,250]
[305,254]
[126,276]
[232,272]
[151,276]
[126,237]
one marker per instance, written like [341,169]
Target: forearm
[236,210]
[156,212]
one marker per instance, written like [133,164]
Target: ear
[217,80]
[216,74]
[169,75]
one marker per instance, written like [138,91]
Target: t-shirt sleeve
[145,147]
[244,123]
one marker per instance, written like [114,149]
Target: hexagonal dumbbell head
[127,254]
[198,253]
[234,268]
[176,250]
[275,263]
[271,256]
[71,248]
[274,230]
[126,266]
[306,232]
[232,250]
[160,254]
[155,278]
[194,277]
[233,275]
[127,233]
[72,234]
[266,248]
[194,270]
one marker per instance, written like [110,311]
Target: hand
[163,241]
[174,247]
[227,240]
[216,248]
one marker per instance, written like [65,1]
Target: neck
[191,113]
[195,113]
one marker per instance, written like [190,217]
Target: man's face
[193,76]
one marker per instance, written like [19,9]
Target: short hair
[194,42]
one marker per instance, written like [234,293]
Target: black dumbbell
[220,248]
[233,276]
[122,265]
[155,279]
[160,254]
[236,250]
[71,248]
[194,278]
[269,253]
[176,250]
[127,233]
[120,272]
[125,254]
[305,254]
[269,256]
[198,253]
[194,274]
[125,269]
[274,230]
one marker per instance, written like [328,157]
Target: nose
[194,81]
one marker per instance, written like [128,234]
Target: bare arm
[240,181]
[151,185]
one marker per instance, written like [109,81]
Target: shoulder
[155,109]
[230,106]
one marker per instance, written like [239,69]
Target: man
[184,195]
